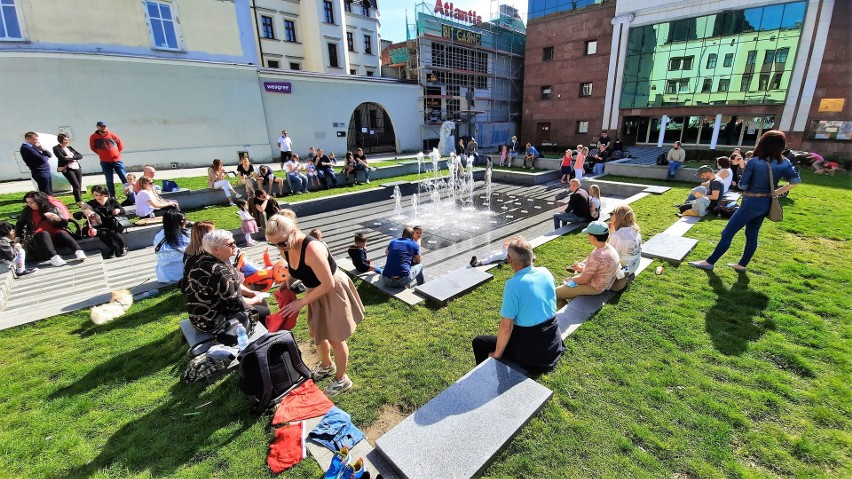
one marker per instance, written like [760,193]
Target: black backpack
[270,367]
[662,160]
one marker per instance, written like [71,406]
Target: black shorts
[285,156]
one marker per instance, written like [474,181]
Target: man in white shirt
[285,144]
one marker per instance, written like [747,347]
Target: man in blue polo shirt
[403,262]
[528,333]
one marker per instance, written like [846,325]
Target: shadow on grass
[183,430]
[129,366]
[731,320]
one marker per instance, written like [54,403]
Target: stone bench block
[461,430]
[194,336]
[453,284]
[668,247]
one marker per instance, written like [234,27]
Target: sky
[393,13]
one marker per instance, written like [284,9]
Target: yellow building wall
[205,25]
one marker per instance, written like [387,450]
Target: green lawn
[686,374]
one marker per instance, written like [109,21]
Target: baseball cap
[700,189]
[100,123]
[596,228]
[704,169]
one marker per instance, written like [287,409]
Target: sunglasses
[231,244]
[282,244]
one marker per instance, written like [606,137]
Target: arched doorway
[370,128]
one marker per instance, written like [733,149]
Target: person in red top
[42,228]
[566,166]
[108,146]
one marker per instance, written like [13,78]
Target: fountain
[414,206]
[397,199]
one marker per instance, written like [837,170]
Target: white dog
[120,303]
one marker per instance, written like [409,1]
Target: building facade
[715,75]
[178,81]
[566,66]
[469,71]
[323,36]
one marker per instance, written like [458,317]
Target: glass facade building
[739,57]
[540,8]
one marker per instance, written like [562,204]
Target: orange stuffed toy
[262,279]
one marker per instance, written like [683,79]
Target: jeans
[44,182]
[673,166]
[298,182]
[750,215]
[327,175]
[598,169]
[110,167]
[360,167]
[578,173]
[415,273]
[560,219]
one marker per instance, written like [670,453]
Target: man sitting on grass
[528,333]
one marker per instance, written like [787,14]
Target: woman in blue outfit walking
[757,196]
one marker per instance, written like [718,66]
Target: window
[711,60]
[162,22]
[763,82]
[353,72]
[295,66]
[769,57]
[328,11]
[586,89]
[365,9]
[547,54]
[707,87]
[683,86]
[332,56]
[729,60]
[671,87]
[681,63]
[347,5]
[350,41]
[745,83]
[371,73]
[368,44]
[752,56]
[591,47]
[546,92]
[289,31]
[273,64]
[781,55]
[582,127]
[724,84]
[776,81]
[266,27]
[10,29]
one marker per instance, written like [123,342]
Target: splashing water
[397,199]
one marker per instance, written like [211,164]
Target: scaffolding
[470,73]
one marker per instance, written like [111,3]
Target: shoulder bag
[775,213]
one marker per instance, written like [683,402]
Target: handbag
[121,223]
[776,213]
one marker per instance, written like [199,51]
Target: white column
[618,48]
[717,125]
[663,122]
[619,79]
[817,51]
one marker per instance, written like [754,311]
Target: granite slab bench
[199,341]
[460,431]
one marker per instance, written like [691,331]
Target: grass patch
[686,374]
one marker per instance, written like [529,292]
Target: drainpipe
[257,33]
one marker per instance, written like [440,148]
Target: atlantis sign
[447,9]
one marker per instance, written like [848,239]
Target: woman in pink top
[582,152]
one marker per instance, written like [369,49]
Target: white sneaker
[237,195]
[321,371]
[338,386]
[80,255]
[57,260]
